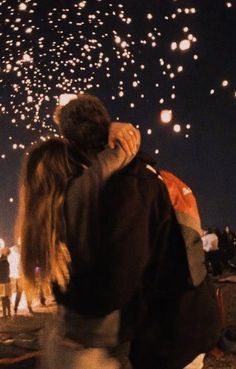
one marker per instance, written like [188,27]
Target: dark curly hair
[84,122]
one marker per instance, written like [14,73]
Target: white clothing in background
[210,242]
[14,262]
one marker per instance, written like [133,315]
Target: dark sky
[53,33]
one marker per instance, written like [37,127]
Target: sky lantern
[184,45]
[177,128]
[64,99]
[166,115]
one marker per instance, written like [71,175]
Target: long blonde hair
[39,226]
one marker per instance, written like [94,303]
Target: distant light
[188,126]
[185,29]
[117,39]
[26,58]
[166,116]
[28,30]
[29,99]
[173,46]
[11,199]
[123,44]
[149,131]
[157,151]
[149,16]
[229,5]
[64,99]
[22,6]
[177,128]
[212,91]
[184,45]
[195,57]
[180,68]
[82,4]
[225,83]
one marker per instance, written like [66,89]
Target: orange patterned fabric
[181,196]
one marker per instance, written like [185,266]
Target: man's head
[84,121]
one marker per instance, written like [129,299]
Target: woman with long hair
[46,172]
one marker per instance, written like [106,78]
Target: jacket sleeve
[111,160]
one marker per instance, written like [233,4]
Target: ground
[20,335]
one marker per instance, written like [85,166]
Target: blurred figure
[5,284]
[227,246]
[211,247]
[42,293]
[15,277]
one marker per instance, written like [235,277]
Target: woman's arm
[124,142]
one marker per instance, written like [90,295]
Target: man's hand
[127,135]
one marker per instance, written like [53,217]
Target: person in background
[5,283]
[211,247]
[228,246]
[15,276]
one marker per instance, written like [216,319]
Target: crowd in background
[220,250]
[11,288]
[219,247]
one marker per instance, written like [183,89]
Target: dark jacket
[128,254]
[110,230]
[4,270]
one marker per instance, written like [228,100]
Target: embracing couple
[97,220]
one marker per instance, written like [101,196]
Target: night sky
[140,57]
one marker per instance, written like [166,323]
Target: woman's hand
[127,135]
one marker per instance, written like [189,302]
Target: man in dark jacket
[134,261]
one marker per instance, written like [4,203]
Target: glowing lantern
[184,45]
[166,116]
[177,128]
[64,99]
